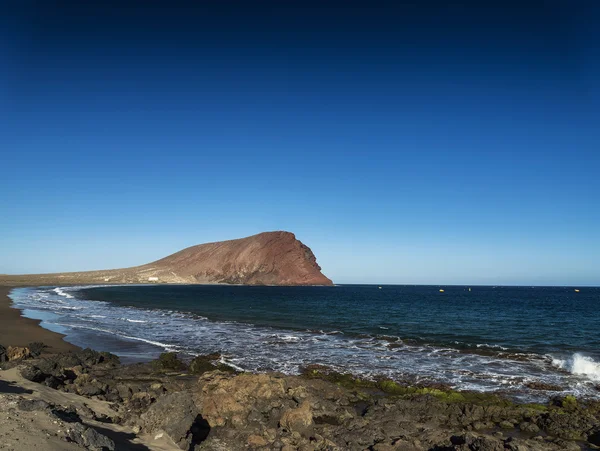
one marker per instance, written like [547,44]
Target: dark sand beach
[18,331]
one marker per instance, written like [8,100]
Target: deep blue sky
[422,143]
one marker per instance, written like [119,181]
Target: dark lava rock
[178,416]
[52,382]
[168,361]
[86,412]
[539,385]
[36,348]
[478,443]
[568,425]
[89,438]
[529,427]
[3,356]
[68,415]
[59,370]
[594,438]
[33,373]
[30,405]
[91,389]
[209,362]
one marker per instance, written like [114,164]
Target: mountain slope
[269,258]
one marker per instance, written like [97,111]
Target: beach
[37,416]
[16,330]
[89,400]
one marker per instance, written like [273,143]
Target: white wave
[580,365]
[165,346]
[485,345]
[134,320]
[288,338]
[60,292]
[230,364]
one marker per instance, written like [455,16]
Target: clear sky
[417,142]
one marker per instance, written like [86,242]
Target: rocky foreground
[204,405]
[269,258]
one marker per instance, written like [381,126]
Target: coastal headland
[268,258]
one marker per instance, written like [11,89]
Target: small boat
[379,288]
[576,290]
[441,291]
[469,289]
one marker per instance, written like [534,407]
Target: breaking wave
[580,365]
[60,292]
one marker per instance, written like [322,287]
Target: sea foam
[580,365]
[60,292]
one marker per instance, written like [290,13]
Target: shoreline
[133,344]
[16,330]
[169,404]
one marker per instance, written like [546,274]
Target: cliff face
[269,258]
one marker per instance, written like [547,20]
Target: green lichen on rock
[342,379]
[209,362]
[569,402]
[393,388]
[169,361]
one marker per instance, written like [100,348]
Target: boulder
[570,426]
[33,373]
[36,348]
[209,362]
[89,438]
[239,400]
[30,405]
[169,361]
[256,441]
[176,415]
[298,420]
[526,426]
[474,442]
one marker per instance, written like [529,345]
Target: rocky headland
[269,258]
[91,401]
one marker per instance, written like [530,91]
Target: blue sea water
[501,339]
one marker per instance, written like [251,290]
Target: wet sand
[18,331]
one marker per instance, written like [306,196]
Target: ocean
[508,340]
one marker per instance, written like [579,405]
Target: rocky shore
[93,402]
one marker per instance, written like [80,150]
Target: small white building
[152,279]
